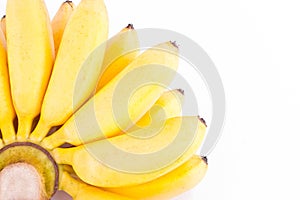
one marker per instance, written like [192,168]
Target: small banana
[167,106]
[30,58]
[87,29]
[60,21]
[121,50]
[161,153]
[176,182]
[3,25]
[107,113]
[7,113]
[81,191]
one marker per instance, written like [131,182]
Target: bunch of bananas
[75,116]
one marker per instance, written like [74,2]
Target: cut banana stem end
[21,181]
[27,169]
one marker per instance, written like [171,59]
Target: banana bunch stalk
[88,114]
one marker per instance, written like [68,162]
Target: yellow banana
[60,20]
[7,113]
[121,50]
[81,191]
[3,46]
[129,160]
[107,113]
[3,25]
[87,28]
[167,106]
[180,180]
[30,58]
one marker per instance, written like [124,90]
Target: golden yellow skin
[30,58]
[87,28]
[121,50]
[7,112]
[167,106]
[31,52]
[101,105]
[91,171]
[81,191]
[60,20]
[180,180]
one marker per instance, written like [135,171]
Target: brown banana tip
[202,120]
[174,44]
[3,17]
[70,3]
[205,159]
[181,91]
[130,26]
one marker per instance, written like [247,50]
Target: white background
[255,46]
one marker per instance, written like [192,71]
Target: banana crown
[87,114]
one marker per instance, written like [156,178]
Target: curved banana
[136,157]
[107,113]
[60,20]
[3,25]
[81,191]
[87,29]
[121,50]
[167,106]
[30,58]
[7,112]
[176,182]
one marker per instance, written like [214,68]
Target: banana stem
[24,128]
[40,131]
[54,140]
[8,132]
[64,155]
